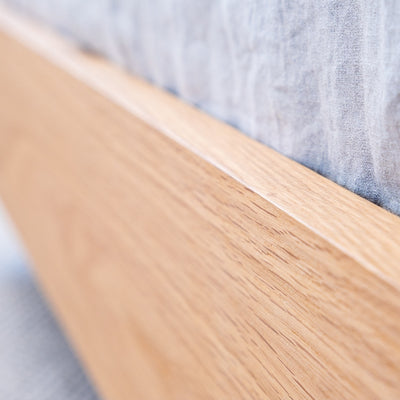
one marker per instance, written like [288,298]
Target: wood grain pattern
[185,260]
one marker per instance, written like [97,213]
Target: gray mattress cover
[319,81]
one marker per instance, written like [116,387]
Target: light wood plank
[335,212]
[184,259]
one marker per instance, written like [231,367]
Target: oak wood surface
[185,260]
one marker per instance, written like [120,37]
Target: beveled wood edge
[362,230]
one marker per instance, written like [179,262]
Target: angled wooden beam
[184,259]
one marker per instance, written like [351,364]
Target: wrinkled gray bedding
[317,81]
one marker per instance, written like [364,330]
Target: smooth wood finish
[185,260]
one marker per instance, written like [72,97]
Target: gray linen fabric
[318,81]
[36,362]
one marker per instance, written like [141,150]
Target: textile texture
[319,81]
[36,362]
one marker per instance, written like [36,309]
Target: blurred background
[36,361]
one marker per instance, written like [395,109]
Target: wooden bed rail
[185,260]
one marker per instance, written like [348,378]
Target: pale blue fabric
[319,81]
[36,362]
